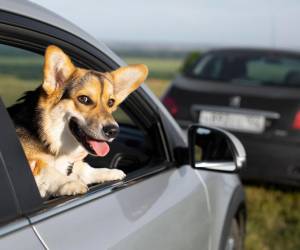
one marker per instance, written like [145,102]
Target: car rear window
[249,69]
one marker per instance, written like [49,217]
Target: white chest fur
[63,161]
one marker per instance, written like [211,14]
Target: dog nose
[111,131]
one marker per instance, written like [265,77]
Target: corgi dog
[69,116]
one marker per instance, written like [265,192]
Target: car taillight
[296,122]
[171,105]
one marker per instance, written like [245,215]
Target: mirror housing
[215,149]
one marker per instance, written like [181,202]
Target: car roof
[34,11]
[255,51]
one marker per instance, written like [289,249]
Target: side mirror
[215,149]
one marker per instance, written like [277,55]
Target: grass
[273,219]
[273,215]
[19,72]
[11,88]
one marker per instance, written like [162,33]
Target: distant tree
[191,58]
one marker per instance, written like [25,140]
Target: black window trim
[15,169]
[15,35]
[29,24]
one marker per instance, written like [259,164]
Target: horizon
[265,23]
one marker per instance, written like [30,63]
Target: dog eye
[110,102]
[84,99]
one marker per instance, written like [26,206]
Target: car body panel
[166,211]
[220,188]
[19,235]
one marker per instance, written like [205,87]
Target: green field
[18,73]
[162,69]
[273,215]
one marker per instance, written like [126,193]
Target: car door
[166,211]
[160,204]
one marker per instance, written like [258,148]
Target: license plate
[233,121]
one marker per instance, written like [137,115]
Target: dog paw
[104,174]
[115,174]
[73,188]
[43,192]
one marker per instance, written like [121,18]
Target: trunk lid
[277,104]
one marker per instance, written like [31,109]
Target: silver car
[181,192]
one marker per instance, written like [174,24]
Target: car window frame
[29,34]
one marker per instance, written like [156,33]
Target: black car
[254,93]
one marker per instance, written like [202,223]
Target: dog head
[84,100]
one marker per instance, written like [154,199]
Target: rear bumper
[271,161]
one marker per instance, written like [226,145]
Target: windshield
[258,69]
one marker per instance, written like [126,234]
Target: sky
[263,23]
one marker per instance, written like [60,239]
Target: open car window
[137,146]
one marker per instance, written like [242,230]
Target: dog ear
[58,67]
[127,79]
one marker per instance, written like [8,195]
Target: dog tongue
[101,148]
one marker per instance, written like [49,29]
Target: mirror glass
[212,145]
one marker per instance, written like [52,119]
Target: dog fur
[69,116]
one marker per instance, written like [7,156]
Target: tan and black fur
[69,116]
